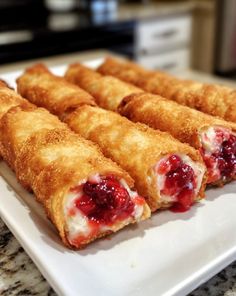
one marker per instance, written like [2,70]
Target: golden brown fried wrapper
[44,89]
[19,124]
[135,147]
[181,122]
[50,160]
[57,160]
[107,90]
[9,98]
[213,99]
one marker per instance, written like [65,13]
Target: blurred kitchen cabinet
[203,41]
[164,43]
[168,61]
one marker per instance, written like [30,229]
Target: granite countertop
[20,276]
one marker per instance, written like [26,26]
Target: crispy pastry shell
[135,147]
[9,98]
[44,89]
[57,160]
[49,159]
[107,90]
[182,122]
[213,99]
[19,124]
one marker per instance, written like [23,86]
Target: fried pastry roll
[9,98]
[213,137]
[46,89]
[120,138]
[85,195]
[212,99]
[107,90]
[18,124]
[167,172]
[185,124]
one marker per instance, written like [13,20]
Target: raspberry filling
[219,153]
[179,183]
[105,202]
[97,205]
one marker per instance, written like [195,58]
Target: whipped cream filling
[199,171]
[77,224]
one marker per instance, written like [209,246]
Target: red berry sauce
[221,163]
[180,182]
[105,202]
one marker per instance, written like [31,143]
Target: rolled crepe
[85,195]
[167,172]
[45,87]
[107,90]
[213,137]
[212,99]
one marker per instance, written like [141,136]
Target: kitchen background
[169,35]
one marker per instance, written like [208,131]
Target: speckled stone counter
[19,275]
[223,284]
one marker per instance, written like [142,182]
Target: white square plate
[170,254]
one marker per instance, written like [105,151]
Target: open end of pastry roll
[179,180]
[57,165]
[142,152]
[100,205]
[212,137]
[219,153]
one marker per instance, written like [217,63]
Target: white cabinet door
[162,34]
[170,61]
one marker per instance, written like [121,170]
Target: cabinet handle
[166,34]
[167,66]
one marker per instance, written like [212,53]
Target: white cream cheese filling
[209,141]
[199,171]
[78,224]
[212,144]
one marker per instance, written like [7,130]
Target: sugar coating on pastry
[98,205]
[219,153]
[178,180]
